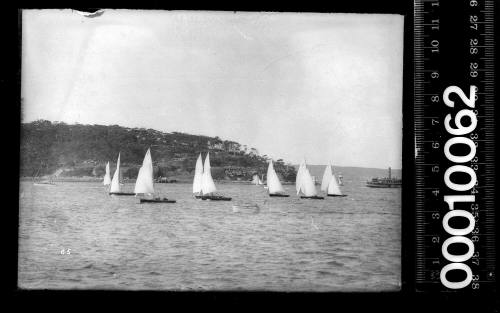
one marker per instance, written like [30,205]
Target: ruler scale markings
[452,55]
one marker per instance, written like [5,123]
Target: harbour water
[75,236]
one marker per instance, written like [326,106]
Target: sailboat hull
[313,197]
[164,200]
[216,198]
[278,195]
[122,193]
[337,195]
[44,184]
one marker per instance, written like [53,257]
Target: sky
[324,87]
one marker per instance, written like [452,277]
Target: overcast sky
[327,87]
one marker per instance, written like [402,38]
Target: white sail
[115,182]
[107,177]
[198,174]
[273,181]
[299,178]
[327,176]
[308,187]
[207,183]
[333,186]
[144,183]
[341,183]
[255,179]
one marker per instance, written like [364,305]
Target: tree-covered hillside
[83,150]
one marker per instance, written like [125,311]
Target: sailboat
[273,183]
[207,184]
[115,188]
[107,177]
[304,183]
[197,181]
[145,184]
[45,182]
[330,184]
[341,179]
[256,180]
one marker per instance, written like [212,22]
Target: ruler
[454,145]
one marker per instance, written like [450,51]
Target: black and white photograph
[210,151]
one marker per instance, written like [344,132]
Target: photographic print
[210,150]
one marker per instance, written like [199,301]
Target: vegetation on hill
[83,150]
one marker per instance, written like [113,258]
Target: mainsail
[144,183]
[107,178]
[333,186]
[115,182]
[299,178]
[273,182]
[207,183]
[308,187]
[198,174]
[327,176]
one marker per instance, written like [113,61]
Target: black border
[401,301]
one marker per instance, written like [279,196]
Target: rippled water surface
[251,243]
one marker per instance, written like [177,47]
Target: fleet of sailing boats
[204,186]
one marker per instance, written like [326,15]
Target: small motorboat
[313,197]
[336,195]
[157,200]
